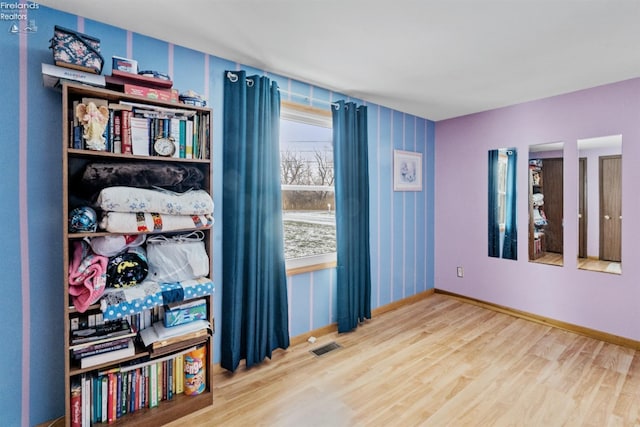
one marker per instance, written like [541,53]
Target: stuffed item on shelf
[83,219]
[128,268]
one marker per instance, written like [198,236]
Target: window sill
[310,264]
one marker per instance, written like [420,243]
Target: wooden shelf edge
[166,411]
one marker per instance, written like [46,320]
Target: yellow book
[179,374]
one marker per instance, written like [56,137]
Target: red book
[165,375]
[138,383]
[125,133]
[112,397]
[76,406]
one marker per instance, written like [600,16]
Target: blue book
[118,395]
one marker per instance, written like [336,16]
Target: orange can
[195,367]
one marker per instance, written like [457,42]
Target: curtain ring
[250,82]
[232,77]
[335,105]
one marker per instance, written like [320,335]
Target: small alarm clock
[164,147]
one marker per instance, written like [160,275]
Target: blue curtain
[494,226]
[351,168]
[254,293]
[510,244]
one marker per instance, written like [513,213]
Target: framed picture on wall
[407,171]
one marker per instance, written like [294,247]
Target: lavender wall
[601,301]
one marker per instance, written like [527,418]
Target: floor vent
[321,351]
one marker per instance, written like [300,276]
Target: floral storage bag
[72,49]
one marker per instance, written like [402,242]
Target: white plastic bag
[177,258]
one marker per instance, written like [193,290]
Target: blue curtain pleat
[494,226]
[351,168]
[254,292]
[510,244]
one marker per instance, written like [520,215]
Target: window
[308,206]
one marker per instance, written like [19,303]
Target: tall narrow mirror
[546,210]
[600,204]
[503,233]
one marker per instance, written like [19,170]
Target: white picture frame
[407,171]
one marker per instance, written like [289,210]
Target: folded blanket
[87,276]
[130,199]
[121,222]
[176,177]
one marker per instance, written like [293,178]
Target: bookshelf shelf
[88,154]
[90,388]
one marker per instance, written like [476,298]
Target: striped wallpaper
[401,222]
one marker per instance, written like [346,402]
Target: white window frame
[317,117]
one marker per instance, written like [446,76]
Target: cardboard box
[175,315]
[124,64]
[166,95]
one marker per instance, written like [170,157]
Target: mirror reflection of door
[546,210]
[600,196]
[582,207]
[610,208]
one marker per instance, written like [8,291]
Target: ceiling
[436,59]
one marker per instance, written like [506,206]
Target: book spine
[100,350]
[196,137]
[180,373]
[159,382]
[175,134]
[78,142]
[165,375]
[153,385]
[112,396]
[107,134]
[117,131]
[111,130]
[166,128]
[136,399]
[189,140]
[183,139]
[105,398]
[133,375]
[76,405]
[86,401]
[95,400]
[147,370]
[119,395]
[125,133]
[170,379]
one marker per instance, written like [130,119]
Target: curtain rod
[234,78]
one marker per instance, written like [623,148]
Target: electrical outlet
[459,272]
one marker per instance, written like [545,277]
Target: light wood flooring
[437,362]
[583,263]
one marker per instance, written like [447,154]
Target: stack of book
[103,343]
[134,128]
[161,340]
[106,396]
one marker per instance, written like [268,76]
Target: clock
[164,147]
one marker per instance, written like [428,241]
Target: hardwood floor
[602,266]
[439,361]
[583,263]
[550,258]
